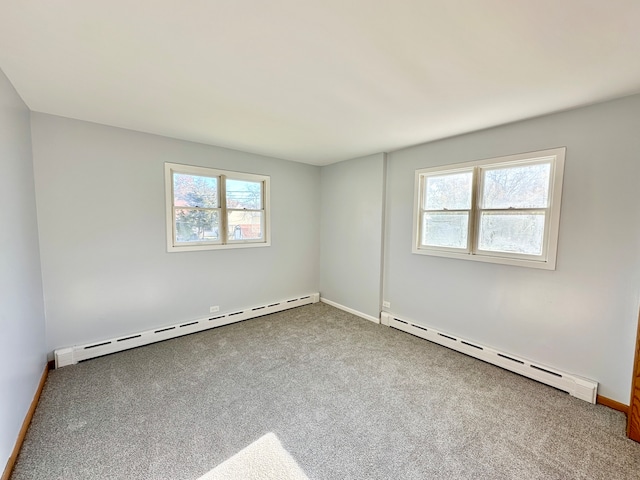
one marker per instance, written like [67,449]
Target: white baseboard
[574,385]
[350,310]
[77,353]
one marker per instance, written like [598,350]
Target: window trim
[222,175]
[548,258]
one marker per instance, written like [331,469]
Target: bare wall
[351,233]
[580,318]
[101,210]
[22,342]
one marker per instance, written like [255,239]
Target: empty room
[319,239]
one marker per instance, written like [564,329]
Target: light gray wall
[106,271]
[101,209]
[22,341]
[581,317]
[351,233]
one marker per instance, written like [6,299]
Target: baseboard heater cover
[576,386]
[78,353]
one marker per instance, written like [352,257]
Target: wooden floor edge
[25,426]
[607,402]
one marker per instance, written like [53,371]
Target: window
[502,210]
[215,209]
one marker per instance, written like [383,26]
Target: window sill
[516,262]
[229,246]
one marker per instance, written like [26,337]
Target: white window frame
[547,260]
[222,176]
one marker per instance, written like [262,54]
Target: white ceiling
[317,81]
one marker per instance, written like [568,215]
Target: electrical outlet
[386,304]
[214,309]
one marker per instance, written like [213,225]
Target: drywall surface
[351,233]
[22,342]
[101,210]
[580,318]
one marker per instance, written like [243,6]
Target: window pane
[245,225]
[451,192]
[524,186]
[445,229]
[244,194]
[512,232]
[195,191]
[194,225]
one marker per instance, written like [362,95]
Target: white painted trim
[576,386]
[547,260]
[77,353]
[350,310]
[222,176]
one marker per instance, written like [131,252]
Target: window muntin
[503,210]
[211,209]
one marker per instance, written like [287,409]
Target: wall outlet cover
[386,304]
[214,309]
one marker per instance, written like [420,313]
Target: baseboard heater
[576,386]
[78,353]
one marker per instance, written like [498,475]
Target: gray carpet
[347,399]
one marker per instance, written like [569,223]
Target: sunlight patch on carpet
[264,459]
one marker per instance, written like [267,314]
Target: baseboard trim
[77,353]
[8,470]
[350,310]
[607,402]
[574,385]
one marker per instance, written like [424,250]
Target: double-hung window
[215,209]
[501,210]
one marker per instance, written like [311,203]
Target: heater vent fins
[129,338]
[164,330]
[96,345]
[449,337]
[79,353]
[512,359]
[579,387]
[547,371]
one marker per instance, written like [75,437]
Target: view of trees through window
[512,205]
[513,208]
[199,219]
[198,209]
[447,204]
